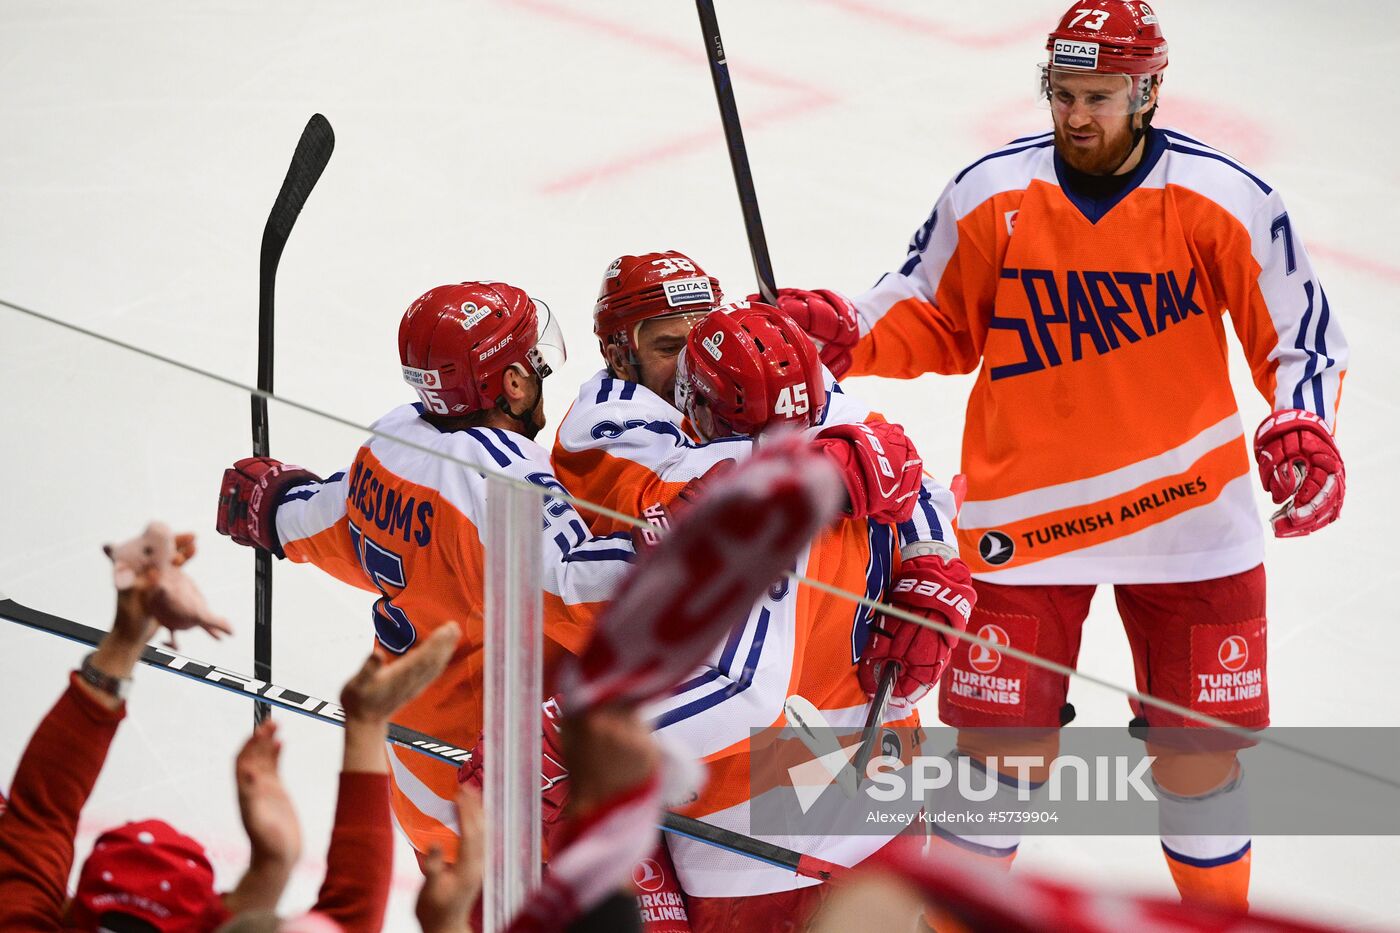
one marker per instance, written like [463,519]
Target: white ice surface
[532,141]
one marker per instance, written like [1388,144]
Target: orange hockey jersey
[404,523]
[1102,441]
[623,446]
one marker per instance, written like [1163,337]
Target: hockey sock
[1214,868]
[958,823]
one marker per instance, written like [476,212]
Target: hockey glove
[1302,470]
[660,515]
[554,776]
[880,467]
[936,588]
[828,318]
[248,499]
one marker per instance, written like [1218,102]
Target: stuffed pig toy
[152,561]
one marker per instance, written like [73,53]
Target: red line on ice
[1356,261]
[808,97]
[1011,35]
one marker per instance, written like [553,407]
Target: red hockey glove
[248,500]
[659,515]
[1298,459]
[935,588]
[554,776]
[828,318]
[881,469]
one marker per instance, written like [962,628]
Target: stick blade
[312,154]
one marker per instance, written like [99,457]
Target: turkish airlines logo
[1233,653]
[983,658]
[648,876]
[996,548]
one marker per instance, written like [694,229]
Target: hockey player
[630,447]
[1087,271]
[404,521]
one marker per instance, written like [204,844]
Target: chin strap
[1138,131]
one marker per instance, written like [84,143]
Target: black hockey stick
[738,153]
[876,717]
[308,162]
[294,701]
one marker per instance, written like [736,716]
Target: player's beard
[1102,159]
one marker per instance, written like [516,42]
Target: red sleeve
[359,865]
[53,782]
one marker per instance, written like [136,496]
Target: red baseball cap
[150,873]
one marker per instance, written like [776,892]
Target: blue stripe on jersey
[1000,154]
[480,435]
[1302,344]
[969,845]
[1208,154]
[578,554]
[879,568]
[826,408]
[1316,352]
[926,504]
[673,431]
[734,687]
[694,682]
[307,490]
[629,389]
[604,390]
[1322,349]
[1173,134]
[1206,862]
[504,438]
[1026,139]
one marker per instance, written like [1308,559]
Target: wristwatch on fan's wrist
[119,687]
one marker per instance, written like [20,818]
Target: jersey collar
[1095,208]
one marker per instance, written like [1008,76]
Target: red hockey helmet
[746,367]
[1119,37]
[457,341]
[653,285]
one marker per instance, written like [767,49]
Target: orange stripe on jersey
[1061,532]
[330,551]
[614,482]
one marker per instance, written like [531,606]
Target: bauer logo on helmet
[500,344]
[1072,53]
[695,291]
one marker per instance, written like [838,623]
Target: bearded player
[626,444]
[1085,273]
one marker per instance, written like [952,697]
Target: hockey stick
[308,162]
[876,717]
[325,711]
[738,153]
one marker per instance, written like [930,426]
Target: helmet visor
[548,353]
[1097,94]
